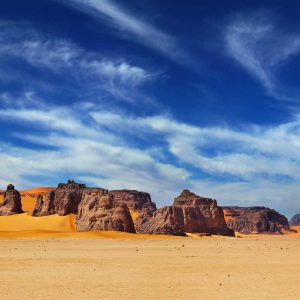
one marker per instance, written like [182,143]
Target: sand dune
[24,222]
[38,190]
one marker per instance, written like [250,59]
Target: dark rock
[258,220]
[71,185]
[140,205]
[295,220]
[12,202]
[134,200]
[62,201]
[99,211]
[189,213]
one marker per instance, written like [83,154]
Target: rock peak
[186,193]
[10,187]
[71,185]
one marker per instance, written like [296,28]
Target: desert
[46,257]
[149,149]
[126,266]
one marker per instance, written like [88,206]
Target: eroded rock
[99,211]
[258,220]
[11,202]
[189,213]
[62,201]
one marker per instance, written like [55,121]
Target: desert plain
[45,258]
[110,265]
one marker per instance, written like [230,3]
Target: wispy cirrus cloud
[255,151]
[70,62]
[75,145]
[138,29]
[252,166]
[261,47]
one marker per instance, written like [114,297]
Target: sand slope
[24,222]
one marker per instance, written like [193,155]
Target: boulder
[295,220]
[189,213]
[99,211]
[258,220]
[11,203]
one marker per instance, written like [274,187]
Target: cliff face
[189,213]
[11,203]
[99,211]
[140,205]
[258,220]
[134,200]
[62,201]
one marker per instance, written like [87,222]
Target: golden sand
[126,267]
[45,258]
[24,222]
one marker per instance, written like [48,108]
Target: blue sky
[153,95]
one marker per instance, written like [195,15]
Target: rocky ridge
[189,213]
[258,220]
[62,201]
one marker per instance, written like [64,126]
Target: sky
[157,96]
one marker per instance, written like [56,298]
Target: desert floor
[109,265]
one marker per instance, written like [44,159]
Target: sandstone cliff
[189,213]
[258,220]
[62,201]
[99,211]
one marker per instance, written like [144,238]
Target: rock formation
[62,201]
[189,213]
[101,212]
[140,205]
[11,202]
[135,201]
[295,220]
[258,220]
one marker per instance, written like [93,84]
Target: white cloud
[140,30]
[261,48]
[85,151]
[256,165]
[70,62]
[252,152]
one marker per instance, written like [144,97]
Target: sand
[45,258]
[112,265]
[24,222]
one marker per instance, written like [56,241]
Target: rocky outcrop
[140,205]
[189,213]
[258,220]
[295,220]
[11,202]
[99,211]
[62,201]
[135,201]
